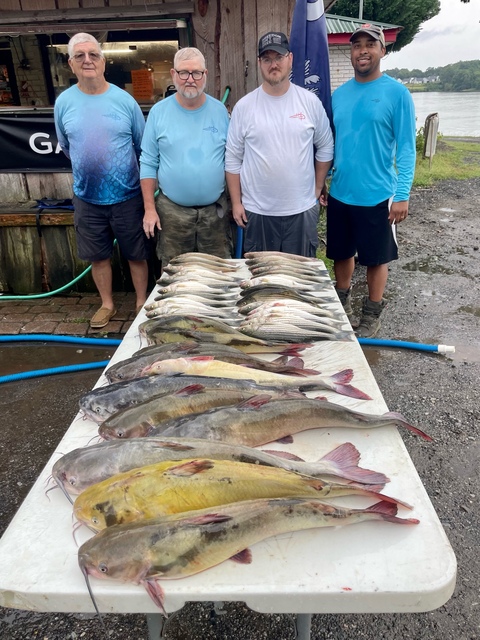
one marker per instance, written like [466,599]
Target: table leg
[155,624]
[304,623]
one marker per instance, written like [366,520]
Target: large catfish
[183,545]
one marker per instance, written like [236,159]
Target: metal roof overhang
[121,18]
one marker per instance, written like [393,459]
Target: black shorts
[362,230]
[296,234]
[96,226]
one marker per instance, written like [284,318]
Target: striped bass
[181,546]
[265,255]
[259,421]
[83,467]
[175,486]
[287,281]
[195,257]
[208,366]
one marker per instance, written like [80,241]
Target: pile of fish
[287,297]
[177,486]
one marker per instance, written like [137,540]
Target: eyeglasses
[80,57]
[184,75]
[266,60]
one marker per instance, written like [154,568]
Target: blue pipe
[44,337]
[434,348]
[48,372]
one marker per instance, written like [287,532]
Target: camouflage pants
[184,229]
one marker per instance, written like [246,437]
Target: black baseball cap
[273,41]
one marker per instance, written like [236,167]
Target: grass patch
[452,161]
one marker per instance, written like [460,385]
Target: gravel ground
[432,298]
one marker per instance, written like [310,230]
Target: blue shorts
[362,230]
[296,234]
[96,226]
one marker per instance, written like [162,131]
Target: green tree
[409,14]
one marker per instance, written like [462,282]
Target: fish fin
[255,402]
[385,498]
[351,391]
[201,358]
[243,557]
[344,460]
[190,468]
[342,377]
[402,421]
[296,362]
[156,593]
[192,389]
[293,349]
[284,454]
[281,360]
[285,440]
[388,512]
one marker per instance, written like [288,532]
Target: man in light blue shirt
[100,127]
[183,150]
[373,169]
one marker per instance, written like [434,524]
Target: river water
[458,113]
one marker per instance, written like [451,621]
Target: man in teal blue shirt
[373,169]
[99,127]
[183,150]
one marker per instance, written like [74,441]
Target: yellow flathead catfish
[177,486]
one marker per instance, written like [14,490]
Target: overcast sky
[451,36]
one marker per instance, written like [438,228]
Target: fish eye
[95,520]
[72,480]
[103,567]
[120,433]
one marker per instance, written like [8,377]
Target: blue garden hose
[434,348]
[44,337]
[49,372]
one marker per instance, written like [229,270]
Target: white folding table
[372,567]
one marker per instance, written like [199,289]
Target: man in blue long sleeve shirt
[100,127]
[374,164]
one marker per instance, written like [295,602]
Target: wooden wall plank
[38,5]
[232,65]
[11,5]
[22,259]
[204,39]
[49,185]
[13,187]
[30,219]
[250,29]
[68,4]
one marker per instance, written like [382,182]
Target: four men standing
[278,153]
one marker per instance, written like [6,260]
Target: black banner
[28,142]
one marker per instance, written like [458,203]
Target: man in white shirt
[279,151]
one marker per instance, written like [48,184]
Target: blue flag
[309,45]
